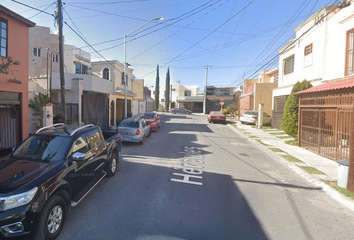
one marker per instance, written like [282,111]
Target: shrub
[224,111]
[289,121]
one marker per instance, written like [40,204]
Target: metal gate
[325,123]
[72,113]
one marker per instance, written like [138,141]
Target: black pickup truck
[49,173]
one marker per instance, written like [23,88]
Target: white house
[317,53]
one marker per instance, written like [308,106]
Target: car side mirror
[78,156]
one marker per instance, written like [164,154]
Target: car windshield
[131,124]
[43,148]
[149,116]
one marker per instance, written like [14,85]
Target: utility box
[342,172]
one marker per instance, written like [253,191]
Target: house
[139,102]
[187,96]
[86,95]
[148,99]
[14,86]
[259,91]
[314,54]
[216,95]
[113,71]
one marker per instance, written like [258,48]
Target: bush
[289,122]
[224,111]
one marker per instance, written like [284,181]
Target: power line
[33,8]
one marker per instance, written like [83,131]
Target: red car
[216,117]
[153,120]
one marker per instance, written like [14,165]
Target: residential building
[14,37]
[259,91]
[113,71]
[139,102]
[217,95]
[187,96]
[86,96]
[149,100]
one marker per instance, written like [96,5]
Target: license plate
[125,139]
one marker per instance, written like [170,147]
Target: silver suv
[134,129]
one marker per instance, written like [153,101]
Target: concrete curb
[347,202]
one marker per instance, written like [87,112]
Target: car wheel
[52,219]
[150,132]
[242,122]
[142,141]
[112,165]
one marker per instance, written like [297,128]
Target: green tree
[289,121]
[37,105]
[167,91]
[157,90]
[5,65]
[232,108]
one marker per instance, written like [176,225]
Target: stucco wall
[263,95]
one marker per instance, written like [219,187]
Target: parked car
[153,120]
[134,129]
[216,117]
[49,173]
[180,110]
[252,117]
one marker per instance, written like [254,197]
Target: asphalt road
[194,180]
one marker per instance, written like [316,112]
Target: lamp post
[125,65]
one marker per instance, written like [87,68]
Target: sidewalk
[318,168]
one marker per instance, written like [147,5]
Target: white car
[252,117]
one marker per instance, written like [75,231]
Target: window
[187,93]
[3,37]
[308,55]
[80,145]
[126,77]
[81,68]
[105,73]
[94,138]
[289,65]
[37,52]
[349,58]
[55,57]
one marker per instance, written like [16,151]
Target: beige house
[139,102]
[259,91]
[112,70]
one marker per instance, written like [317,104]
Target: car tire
[150,131]
[52,219]
[242,122]
[112,165]
[142,141]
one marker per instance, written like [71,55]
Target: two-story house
[187,96]
[14,86]
[259,91]
[86,95]
[113,70]
[139,102]
[216,95]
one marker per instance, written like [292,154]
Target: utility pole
[205,88]
[61,59]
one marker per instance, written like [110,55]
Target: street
[194,180]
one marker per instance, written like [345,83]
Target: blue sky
[238,38]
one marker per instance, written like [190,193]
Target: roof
[331,85]
[121,91]
[16,16]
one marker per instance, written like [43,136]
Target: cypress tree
[167,91]
[157,90]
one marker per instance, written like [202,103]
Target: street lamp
[125,64]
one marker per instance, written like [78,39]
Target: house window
[55,57]
[187,93]
[126,77]
[308,55]
[105,73]
[37,52]
[81,68]
[3,37]
[289,65]
[349,58]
